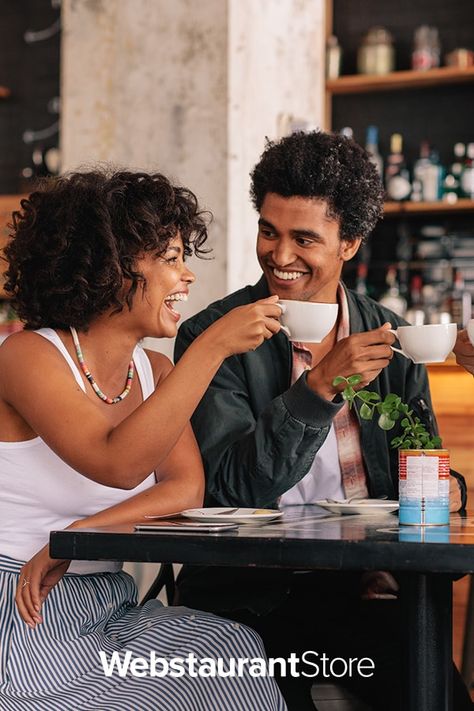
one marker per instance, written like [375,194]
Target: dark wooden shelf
[367,83]
[427,208]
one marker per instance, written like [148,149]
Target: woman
[96,263]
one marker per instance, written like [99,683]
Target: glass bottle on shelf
[421,165]
[372,148]
[433,180]
[428,171]
[416,191]
[467,175]
[391,298]
[397,177]
[416,313]
[460,301]
[361,279]
[333,58]
[451,189]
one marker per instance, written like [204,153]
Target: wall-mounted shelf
[427,208]
[365,84]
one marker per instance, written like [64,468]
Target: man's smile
[287,274]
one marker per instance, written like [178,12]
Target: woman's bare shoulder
[27,352]
[24,345]
[161,364]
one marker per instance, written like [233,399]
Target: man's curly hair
[324,166]
[75,242]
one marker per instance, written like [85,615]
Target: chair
[164,579]
[467,667]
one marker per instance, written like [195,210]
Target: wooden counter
[452,389]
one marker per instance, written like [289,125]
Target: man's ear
[349,248]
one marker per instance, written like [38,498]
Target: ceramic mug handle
[398,350]
[285,329]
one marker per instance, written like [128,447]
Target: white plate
[253,516]
[364,506]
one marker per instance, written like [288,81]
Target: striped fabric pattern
[56,667]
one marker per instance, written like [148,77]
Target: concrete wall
[191,89]
[276,65]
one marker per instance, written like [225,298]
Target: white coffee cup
[470,330]
[431,343]
[307,321]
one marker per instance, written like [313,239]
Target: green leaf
[403,408]
[348,394]
[385,422]
[391,398]
[354,379]
[366,412]
[396,441]
[339,380]
[364,395]
[405,422]
[394,415]
[437,442]
[375,397]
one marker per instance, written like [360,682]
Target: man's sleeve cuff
[306,406]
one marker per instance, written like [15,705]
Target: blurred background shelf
[364,84]
[426,208]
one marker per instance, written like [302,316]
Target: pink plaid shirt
[354,478]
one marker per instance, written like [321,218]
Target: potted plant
[423,466]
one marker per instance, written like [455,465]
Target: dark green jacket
[258,434]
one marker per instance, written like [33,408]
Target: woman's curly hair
[324,166]
[76,240]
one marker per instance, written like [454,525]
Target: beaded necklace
[87,373]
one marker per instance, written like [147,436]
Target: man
[464,351]
[273,428]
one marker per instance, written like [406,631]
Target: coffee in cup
[307,321]
[426,344]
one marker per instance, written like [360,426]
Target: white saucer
[364,506]
[251,516]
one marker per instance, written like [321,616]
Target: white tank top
[41,493]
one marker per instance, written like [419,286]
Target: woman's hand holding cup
[246,327]
[464,347]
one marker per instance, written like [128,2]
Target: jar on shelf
[426,49]
[376,54]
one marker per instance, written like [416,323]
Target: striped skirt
[59,665]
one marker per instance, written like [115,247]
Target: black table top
[305,538]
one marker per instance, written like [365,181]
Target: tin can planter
[423,487]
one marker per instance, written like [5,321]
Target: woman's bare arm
[36,381]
